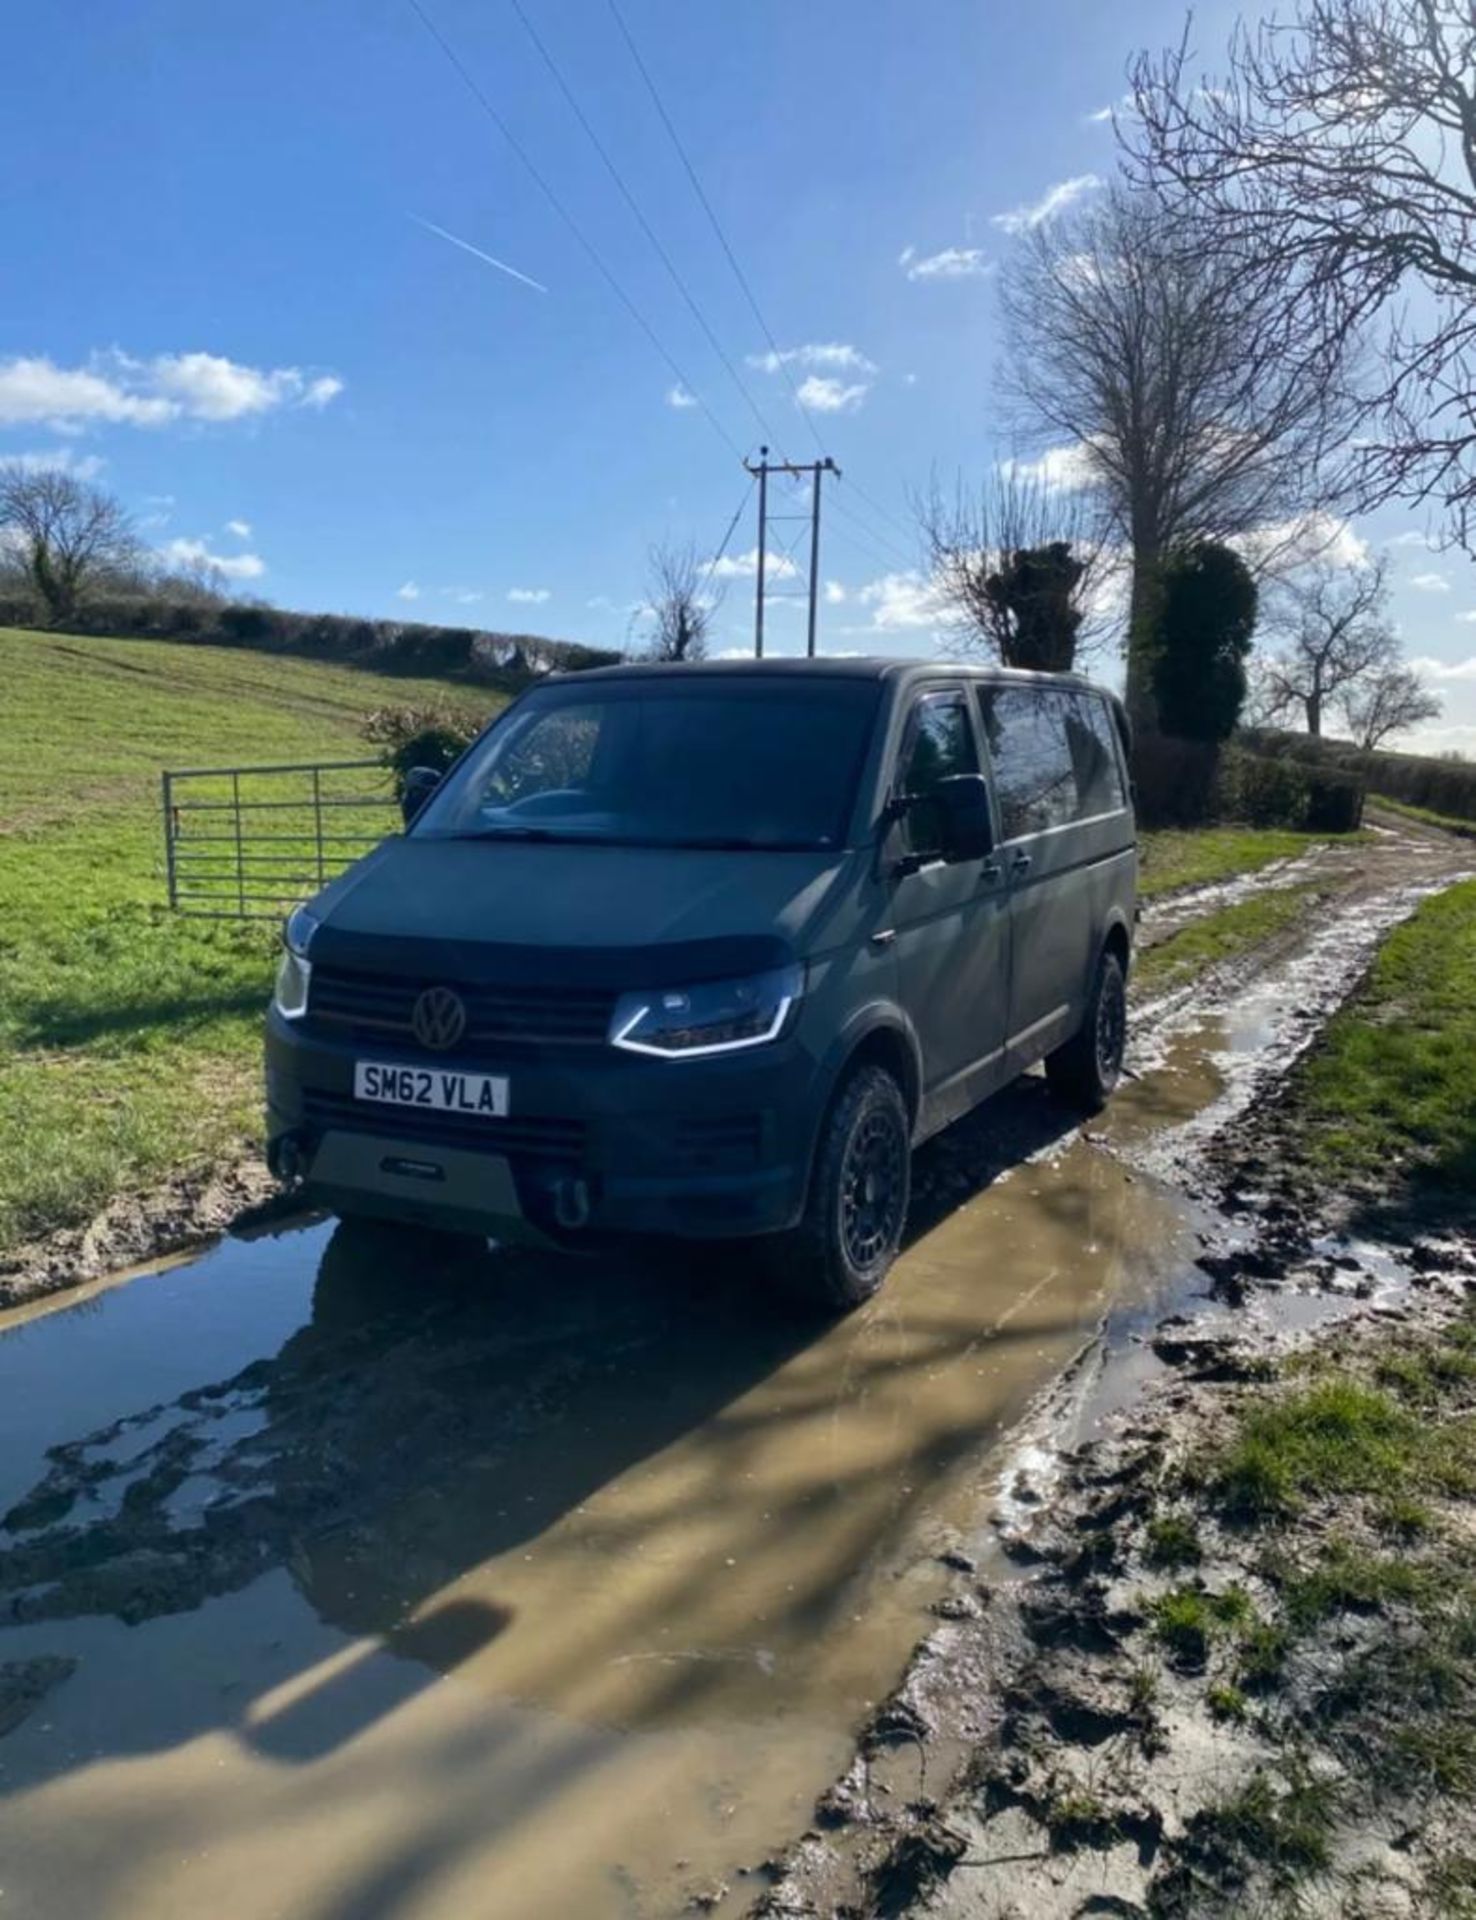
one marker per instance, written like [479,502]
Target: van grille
[496,1015]
[531,1137]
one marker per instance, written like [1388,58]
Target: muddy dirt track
[339,1586]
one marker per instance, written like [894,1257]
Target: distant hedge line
[1442,786]
[1192,783]
[388,646]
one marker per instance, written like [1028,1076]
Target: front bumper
[595,1139]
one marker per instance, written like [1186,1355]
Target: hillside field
[129,1037]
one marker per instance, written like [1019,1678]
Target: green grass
[1284,1825]
[1335,1436]
[1448,821]
[1174,859]
[1391,1091]
[1173,1541]
[129,1037]
[1218,937]
[1190,1619]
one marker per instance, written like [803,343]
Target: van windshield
[672,762]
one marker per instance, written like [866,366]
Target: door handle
[990,871]
[1020,863]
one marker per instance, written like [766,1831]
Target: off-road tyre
[1085,1071]
[856,1209]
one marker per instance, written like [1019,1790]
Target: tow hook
[571,1204]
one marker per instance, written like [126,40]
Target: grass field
[1174,859]
[1391,1092]
[129,1037]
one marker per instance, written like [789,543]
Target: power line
[872,534]
[472,86]
[645,225]
[907,533]
[712,564]
[717,226]
[707,208]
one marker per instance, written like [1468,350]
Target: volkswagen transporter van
[707,951]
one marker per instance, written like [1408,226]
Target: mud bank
[136,1228]
[1140,1705]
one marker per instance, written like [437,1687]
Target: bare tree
[1339,150]
[1018,565]
[680,604]
[1387,701]
[1189,405]
[64,532]
[1332,632]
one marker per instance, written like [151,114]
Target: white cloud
[462,596]
[1054,200]
[1122,108]
[1447,739]
[1412,540]
[85,466]
[601,603]
[835,593]
[241,528]
[1429,583]
[1319,536]
[836,355]
[678,397]
[900,601]
[409,591]
[1445,669]
[953,263]
[195,553]
[1063,469]
[529,596]
[116,389]
[743,566]
[817,393]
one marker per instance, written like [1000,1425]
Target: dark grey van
[707,950]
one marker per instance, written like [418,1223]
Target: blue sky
[221,298]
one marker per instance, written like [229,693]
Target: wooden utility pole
[815,468]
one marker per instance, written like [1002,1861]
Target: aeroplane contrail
[467,247]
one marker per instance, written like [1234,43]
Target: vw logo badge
[439,1018]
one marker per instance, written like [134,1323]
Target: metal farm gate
[247,843]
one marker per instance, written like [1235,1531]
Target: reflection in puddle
[602,1565]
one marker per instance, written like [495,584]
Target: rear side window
[1091,737]
[1053,754]
[940,744]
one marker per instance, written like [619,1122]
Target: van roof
[849,667]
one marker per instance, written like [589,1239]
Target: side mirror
[965,826]
[420,784]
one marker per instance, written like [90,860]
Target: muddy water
[515,1587]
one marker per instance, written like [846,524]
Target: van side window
[941,744]
[1054,757]
[1090,735]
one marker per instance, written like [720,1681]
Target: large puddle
[520,1587]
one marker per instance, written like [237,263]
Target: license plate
[443,1090]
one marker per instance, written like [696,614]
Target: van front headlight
[721,1016]
[294,970]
